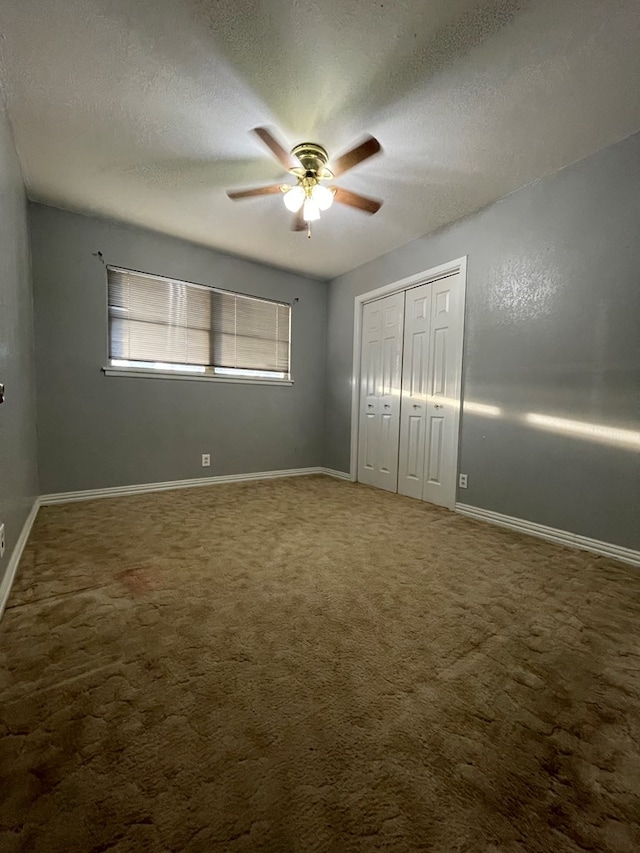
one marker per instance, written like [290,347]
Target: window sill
[138,373]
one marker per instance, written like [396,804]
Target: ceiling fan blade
[367,148]
[368,205]
[271,189]
[279,151]
[298,223]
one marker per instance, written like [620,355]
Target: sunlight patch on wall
[600,433]
[482,409]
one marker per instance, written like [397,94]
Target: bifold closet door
[380,385]
[431,392]
[413,412]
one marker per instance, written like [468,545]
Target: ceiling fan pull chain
[309,230]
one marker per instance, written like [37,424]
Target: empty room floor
[312,665]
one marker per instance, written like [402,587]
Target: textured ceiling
[140,110]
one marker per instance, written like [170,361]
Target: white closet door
[380,382]
[443,391]
[413,418]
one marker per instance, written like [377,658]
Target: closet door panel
[414,391]
[381,362]
[443,391]
[369,367]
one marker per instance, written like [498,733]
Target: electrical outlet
[1,540]
[206,460]
[463,481]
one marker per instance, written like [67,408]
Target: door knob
[387,405]
[438,406]
[416,406]
[369,405]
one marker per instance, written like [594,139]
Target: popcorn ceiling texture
[307,665]
[141,111]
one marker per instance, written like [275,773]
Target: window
[168,326]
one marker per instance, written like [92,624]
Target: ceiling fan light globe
[310,211]
[294,199]
[322,196]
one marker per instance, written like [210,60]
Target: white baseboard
[339,475]
[562,537]
[121,491]
[12,568]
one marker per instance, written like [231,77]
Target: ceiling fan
[307,163]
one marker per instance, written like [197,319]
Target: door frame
[426,277]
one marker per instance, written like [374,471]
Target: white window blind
[159,323]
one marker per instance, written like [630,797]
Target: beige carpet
[310,665]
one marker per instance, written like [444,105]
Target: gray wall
[96,431]
[553,328]
[18,467]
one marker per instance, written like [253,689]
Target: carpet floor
[312,665]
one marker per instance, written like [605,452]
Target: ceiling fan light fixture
[307,165]
[294,198]
[322,196]
[310,211]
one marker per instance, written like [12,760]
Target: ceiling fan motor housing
[313,159]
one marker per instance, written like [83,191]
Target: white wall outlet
[1,540]
[206,460]
[463,481]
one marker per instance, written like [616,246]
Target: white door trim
[452,268]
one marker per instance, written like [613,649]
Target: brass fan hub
[314,160]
